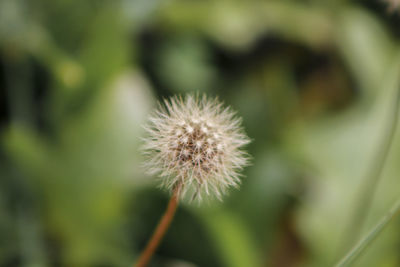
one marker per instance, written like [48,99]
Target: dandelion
[194,144]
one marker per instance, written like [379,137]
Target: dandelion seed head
[195,144]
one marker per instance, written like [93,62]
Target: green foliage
[313,81]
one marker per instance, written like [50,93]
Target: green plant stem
[360,247]
[369,185]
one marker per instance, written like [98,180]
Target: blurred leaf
[366,46]
[338,171]
[85,188]
[184,65]
[225,21]
[231,236]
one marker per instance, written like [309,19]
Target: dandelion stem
[367,240]
[160,230]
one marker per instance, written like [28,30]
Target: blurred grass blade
[363,202]
[360,247]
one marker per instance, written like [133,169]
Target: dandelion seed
[189,129]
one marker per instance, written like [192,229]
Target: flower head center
[196,146]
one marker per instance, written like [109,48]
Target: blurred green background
[313,80]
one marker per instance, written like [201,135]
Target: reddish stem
[159,232]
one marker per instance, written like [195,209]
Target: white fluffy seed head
[195,144]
